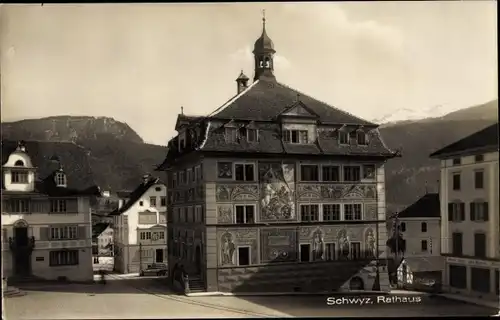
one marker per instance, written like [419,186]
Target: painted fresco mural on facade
[277,191]
[335,191]
[228,193]
[278,245]
[229,241]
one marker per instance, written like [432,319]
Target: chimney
[145,178]
[120,203]
[241,82]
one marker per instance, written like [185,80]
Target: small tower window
[266,62]
[343,137]
[19,163]
[361,138]
[60,179]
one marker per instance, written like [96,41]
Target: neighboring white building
[105,241]
[46,224]
[470,214]
[420,227]
[140,227]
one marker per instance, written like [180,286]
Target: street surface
[140,298]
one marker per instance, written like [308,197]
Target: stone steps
[196,285]
[13,292]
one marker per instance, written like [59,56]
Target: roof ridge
[335,108]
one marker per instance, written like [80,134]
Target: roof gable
[137,194]
[299,109]
[425,207]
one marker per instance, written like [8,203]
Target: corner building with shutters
[276,191]
[46,219]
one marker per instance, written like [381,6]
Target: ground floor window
[480,279]
[63,258]
[458,276]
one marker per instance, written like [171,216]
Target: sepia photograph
[249,160]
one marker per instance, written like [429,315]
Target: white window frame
[248,135]
[61,206]
[19,174]
[146,234]
[365,137]
[60,179]
[300,251]
[334,251]
[353,203]
[152,202]
[339,204]
[244,171]
[318,205]
[310,164]
[245,212]
[64,255]
[287,136]
[68,232]
[231,135]
[351,251]
[249,255]
[23,206]
[456,213]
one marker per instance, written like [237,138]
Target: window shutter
[72,206]
[462,211]
[44,233]
[485,208]
[82,232]
[472,212]
[450,211]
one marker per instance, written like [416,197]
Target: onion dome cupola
[263,51]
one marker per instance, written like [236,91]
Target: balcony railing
[30,245]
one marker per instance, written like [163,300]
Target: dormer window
[231,135]
[19,177]
[343,137]
[361,138]
[296,136]
[60,179]
[252,135]
[19,163]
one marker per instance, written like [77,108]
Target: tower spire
[263,51]
[263,20]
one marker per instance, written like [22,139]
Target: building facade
[470,214]
[420,227]
[140,228]
[276,191]
[46,222]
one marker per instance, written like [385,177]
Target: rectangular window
[330,251]
[244,172]
[457,161]
[243,256]
[19,205]
[479,211]
[352,173]
[145,235]
[63,258]
[479,158]
[479,179]
[343,137]
[458,276]
[245,214]
[295,136]
[231,135]
[331,173]
[163,201]
[309,212]
[456,181]
[456,211]
[352,212]
[305,252]
[152,201]
[331,212]
[309,172]
[480,245]
[19,177]
[423,227]
[423,245]
[403,227]
[369,171]
[197,173]
[355,250]
[457,245]
[58,205]
[252,135]
[480,280]
[64,233]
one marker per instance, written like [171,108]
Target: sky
[139,63]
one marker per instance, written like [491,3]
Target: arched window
[19,163]
[361,137]
[60,179]
[267,63]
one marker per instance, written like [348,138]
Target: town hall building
[276,191]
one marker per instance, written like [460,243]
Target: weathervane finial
[264,17]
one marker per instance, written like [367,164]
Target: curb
[233,294]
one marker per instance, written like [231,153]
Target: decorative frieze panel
[335,192]
[225,214]
[370,211]
[244,192]
[277,200]
[278,245]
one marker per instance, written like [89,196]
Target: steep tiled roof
[47,157]
[265,100]
[137,194]
[425,207]
[486,139]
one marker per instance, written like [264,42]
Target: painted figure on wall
[277,202]
[225,170]
[227,248]
[343,245]
[370,243]
[318,245]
